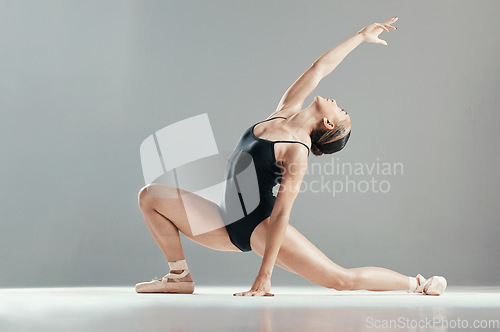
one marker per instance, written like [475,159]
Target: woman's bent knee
[347,280]
[143,197]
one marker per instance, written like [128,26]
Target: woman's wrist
[360,35]
[265,273]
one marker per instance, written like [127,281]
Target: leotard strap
[281,117]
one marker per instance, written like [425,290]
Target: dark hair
[329,141]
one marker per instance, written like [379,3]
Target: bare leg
[300,256]
[164,232]
[380,279]
[165,215]
[155,198]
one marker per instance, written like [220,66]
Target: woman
[279,147]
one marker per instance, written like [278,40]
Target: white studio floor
[216,309]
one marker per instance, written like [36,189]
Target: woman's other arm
[293,170]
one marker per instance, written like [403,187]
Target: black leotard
[251,173]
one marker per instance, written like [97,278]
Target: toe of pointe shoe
[437,286]
[152,286]
[182,287]
[141,287]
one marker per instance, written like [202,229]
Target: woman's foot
[432,286]
[178,280]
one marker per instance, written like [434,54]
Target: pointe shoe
[432,286]
[164,285]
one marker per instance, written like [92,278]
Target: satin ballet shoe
[432,286]
[164,285]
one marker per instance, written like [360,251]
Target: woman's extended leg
[300,256]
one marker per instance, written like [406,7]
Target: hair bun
[315,150]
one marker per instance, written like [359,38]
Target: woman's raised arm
[294,97]
[334,56]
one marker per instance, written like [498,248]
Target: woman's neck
[304,122]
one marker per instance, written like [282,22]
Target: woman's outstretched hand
[260,287]
[371,32]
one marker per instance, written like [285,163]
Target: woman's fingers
[392,20]
[240,294]
[253,293]
[386,27]
[244,293]
[383,27]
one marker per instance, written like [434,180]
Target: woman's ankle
[187,277]
[180,267]
[412,284]
[177,271]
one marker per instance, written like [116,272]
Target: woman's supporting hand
[370,32]
[260,287]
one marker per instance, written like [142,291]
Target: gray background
[83,83]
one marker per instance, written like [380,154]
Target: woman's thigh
[298,255]
[196,217]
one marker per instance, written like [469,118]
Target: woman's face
[329,108]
